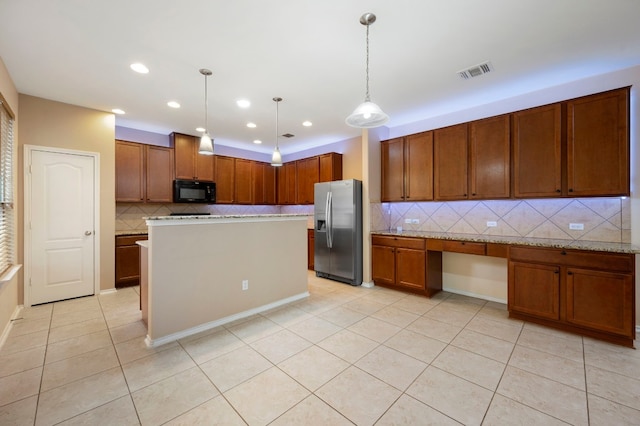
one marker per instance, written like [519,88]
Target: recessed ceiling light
[200,129]
[173,104]
[117,111]
[257,141]
[140,68]
[307,123]
[243,103]
[251,125]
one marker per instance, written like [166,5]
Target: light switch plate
[576,226]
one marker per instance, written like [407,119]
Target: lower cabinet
[403,263]
[128,260]
[310,249]
[591,293]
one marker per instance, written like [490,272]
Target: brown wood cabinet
[286,177]
[407,168]
[243,176]
[144,173]
[598,144]
[591,293]
[263,181]
[451,163]
[188,163]
[225,179]
[307,174]
[310,249]
[404,263]
[330,167]
[127,262]
[490,158]
[537,152]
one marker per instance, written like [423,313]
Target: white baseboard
[477,296]
[7,328]
[108,291]
[213,324]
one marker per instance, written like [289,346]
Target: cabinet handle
[564,253]
[473,194]
[569,273]
[571,190]
[557,190]
[463,243]
[557,271]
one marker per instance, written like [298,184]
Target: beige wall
[9,290]
[58,125]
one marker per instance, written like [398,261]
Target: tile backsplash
[129,215]
[604,219]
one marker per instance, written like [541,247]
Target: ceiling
[310,53]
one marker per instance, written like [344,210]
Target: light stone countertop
[536,242]
[131,232]
[227,216]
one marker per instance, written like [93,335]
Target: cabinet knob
[570,189]
[569,273]
[564,253]
[464,195]
[557,271]
[473,194]
[557,190]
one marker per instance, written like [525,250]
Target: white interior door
[61,226]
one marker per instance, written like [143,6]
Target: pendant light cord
[277,147]
[367,98]
[206,106]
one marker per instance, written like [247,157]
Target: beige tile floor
[346,355]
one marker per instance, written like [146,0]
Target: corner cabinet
[144,173]
[591,293]
[403,263]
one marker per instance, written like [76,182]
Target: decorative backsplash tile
[604,219]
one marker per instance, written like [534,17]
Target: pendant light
[367,114]
[206,143]
[276,158]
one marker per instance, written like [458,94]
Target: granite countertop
[536,242]
[227,216]
[131,232]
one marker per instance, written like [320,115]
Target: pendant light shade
[276,157]
[206,143]
[367,114]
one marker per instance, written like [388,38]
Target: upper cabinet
[575,148]
[451,159]
[307,174]
[225,179]
[537,152]
[144,173]
[263,181]
[286,177]
[188,163]
[598,144]
[330,167]
[404,162]
[490,158]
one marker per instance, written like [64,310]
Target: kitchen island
[205,271]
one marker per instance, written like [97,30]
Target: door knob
[87,233]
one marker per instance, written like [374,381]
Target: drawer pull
[564,253]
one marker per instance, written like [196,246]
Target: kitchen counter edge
[535,242]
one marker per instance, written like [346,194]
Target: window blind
[7,223]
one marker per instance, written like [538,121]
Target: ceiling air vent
[476,71]
[288,135]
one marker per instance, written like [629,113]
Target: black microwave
[194,191]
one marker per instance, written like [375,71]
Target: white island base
[197,266]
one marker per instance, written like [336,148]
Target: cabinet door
[598,144]
[185,151]
[310,249]
[243,181]
[392,163]
[292,182]
[534,289]
[383,265]
[205,166]
[537,158]
[330,167]
[282,180]
[601,301]
[410,268]
[490,153]
[269,183]
[419,167]
[129,172]
[307,174]
[159,174]
[450,148]
[225,179]
[257,182]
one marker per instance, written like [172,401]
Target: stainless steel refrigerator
[338,230]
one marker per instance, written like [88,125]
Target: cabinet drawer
[464,247]
[404,242]
[614,262]
[129,240]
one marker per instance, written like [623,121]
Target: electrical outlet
[415,221]
[407,221]
[245,284]
[492,223]
[576,226]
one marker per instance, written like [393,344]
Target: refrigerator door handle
[329,220]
